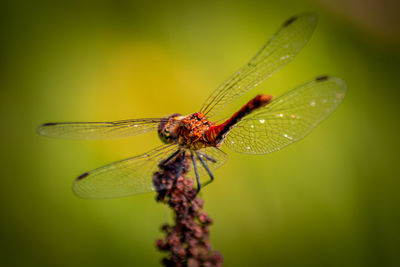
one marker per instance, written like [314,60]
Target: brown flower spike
[187,241]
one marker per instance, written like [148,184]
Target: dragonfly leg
[170,157]
[196,173]
[208,157]
[205,167]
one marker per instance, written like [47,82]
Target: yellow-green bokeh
[329,200]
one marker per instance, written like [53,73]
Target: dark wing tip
[312,17]
[42,128]
[290,21]
[49,124]
[322,78]
[80,177]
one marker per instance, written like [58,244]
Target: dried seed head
[187,241]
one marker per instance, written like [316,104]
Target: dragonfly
[263,125]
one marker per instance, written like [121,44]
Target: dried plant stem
[187,241]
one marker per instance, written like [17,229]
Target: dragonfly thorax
[186,131]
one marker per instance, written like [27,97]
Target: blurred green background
[329,200]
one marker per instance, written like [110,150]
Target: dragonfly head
[168,129]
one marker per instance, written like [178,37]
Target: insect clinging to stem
[263,125]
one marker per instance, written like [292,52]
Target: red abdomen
[216,133]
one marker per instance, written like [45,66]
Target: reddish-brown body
[195,131]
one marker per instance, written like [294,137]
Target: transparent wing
[98,130]
[287,118]
[122,178]
[213,157]
[276,53]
